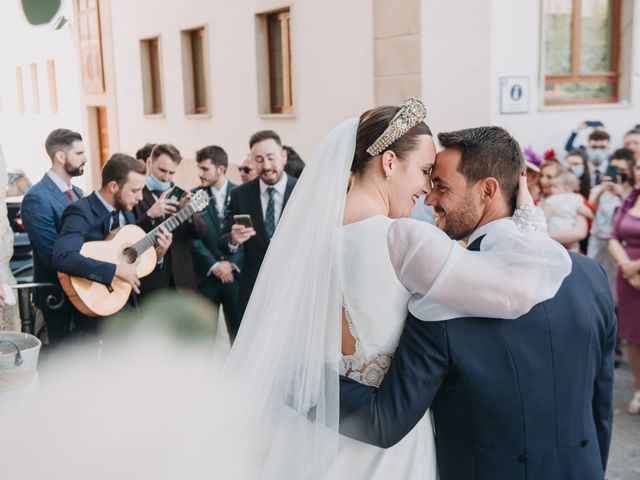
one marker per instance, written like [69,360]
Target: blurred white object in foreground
[145,408]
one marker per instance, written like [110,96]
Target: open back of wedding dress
[281,375]
[375,303]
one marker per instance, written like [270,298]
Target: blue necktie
[115,220]
[270,215]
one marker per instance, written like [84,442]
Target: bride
[328,300]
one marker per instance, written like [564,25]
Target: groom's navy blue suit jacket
[529,398]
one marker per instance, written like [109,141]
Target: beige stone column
[397,63]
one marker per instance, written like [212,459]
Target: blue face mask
[578,170]
[598,157]
[157,185]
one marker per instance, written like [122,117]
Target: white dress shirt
[280,187]
[486,228]
[218,196]
[110,208]
[64,187]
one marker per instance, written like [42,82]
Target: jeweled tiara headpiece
[410,114]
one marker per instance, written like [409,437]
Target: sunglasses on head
[245,169]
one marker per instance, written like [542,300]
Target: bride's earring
[388,176]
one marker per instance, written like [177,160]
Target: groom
[529,398]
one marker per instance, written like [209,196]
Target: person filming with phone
[607,198]
[263,201]
[161,198]
[597,148]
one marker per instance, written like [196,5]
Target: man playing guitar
[93,218]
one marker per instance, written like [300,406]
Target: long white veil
[284,362]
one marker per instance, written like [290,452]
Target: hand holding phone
[165,205]
[242,230]
[613,173]
[243,219]
[176,194]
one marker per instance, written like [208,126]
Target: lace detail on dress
[366,370]
[530,219]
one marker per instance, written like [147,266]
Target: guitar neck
[169,225]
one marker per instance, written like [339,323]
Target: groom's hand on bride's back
[240,234]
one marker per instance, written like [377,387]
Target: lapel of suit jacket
[101,212]
[256,206]
[212,210]
[59,196]
[147,198]
[78,191]
[129,218]
[291,182]
[475,245]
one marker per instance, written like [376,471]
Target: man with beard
[520,398]
[93,218]
[263,199]
[42,209]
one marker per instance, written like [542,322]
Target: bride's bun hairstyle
[373,124]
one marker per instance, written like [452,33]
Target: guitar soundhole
[130,255]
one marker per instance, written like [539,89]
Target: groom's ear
[490,189]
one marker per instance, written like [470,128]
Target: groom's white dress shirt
[505,224]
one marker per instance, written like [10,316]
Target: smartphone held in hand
[243,219]
[613,173]
[176,194]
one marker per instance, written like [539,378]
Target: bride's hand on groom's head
[524,196]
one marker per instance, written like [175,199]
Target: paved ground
[624,458]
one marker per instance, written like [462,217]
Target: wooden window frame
[574,76]
[35,87]
[53,85]
[156,104]
[284,17]
[189,76]
[20,89]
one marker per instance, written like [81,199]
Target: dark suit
[206,253]
[245,199]
[176,269]
[86,220]
[42,208]
[529,398]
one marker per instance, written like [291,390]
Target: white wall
[332,60]
[515,50]
[22,135]
[455,63]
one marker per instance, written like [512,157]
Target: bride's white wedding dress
[376,307]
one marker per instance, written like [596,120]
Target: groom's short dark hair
[487,152]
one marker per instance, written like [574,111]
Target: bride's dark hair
[372,123]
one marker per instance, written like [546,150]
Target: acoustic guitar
[129,244]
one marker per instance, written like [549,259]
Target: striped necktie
[270,214]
